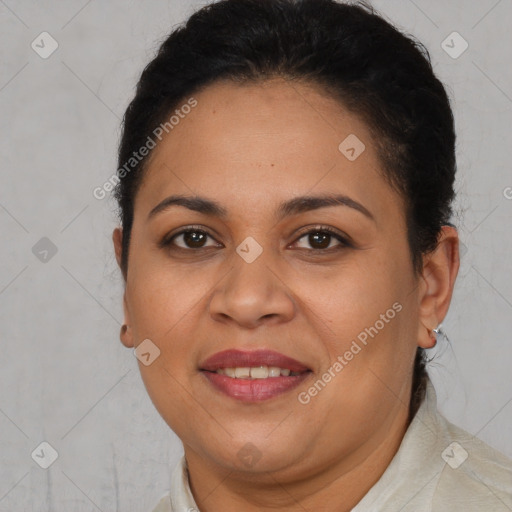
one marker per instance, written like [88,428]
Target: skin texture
[251,147]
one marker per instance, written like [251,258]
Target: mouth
[253,376]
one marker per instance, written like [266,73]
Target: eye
[190,238]
[321,238]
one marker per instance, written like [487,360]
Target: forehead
[274,137]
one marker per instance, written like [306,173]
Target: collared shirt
[438,467]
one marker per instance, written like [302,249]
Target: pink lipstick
[253,376]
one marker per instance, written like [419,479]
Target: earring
[124,328]
[433,337]
[436,333]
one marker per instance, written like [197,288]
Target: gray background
[65,378]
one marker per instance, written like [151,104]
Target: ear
[117,238]
[126,335]
[440,268]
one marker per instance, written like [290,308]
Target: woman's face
[266,276]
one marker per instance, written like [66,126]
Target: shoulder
[179,496]
[475,475]
[164,505]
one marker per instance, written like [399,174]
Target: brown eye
[321,239]
[188,239]
[194,239]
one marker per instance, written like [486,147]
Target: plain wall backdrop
[65,378]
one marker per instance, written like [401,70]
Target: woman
[286,176]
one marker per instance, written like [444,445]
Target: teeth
[242,373]
[230,372]
[261,372]
[274,371]
[256,372]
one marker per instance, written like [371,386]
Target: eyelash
[168,241]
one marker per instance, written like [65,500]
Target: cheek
[365,313]
[164,305]
[369,311]
[160,297]
[349,298]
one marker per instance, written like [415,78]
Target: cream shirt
[438,468]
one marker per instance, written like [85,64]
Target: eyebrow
[291,207]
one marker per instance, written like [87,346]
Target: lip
[253,390]
[242,359]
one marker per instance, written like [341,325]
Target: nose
[252,294]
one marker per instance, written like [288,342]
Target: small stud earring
[436,333]
[433,336]
[124,328]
